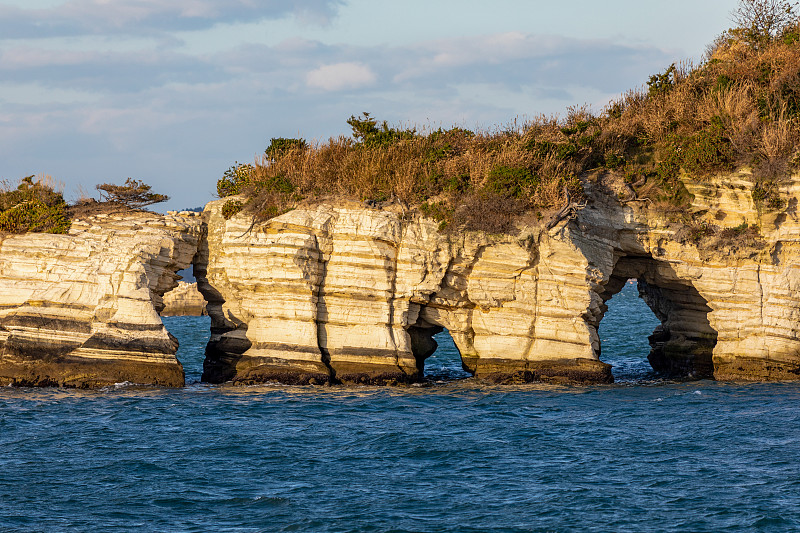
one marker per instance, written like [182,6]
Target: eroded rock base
[80,373]
[753,369]
[561,372]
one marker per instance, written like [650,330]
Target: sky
[173,92]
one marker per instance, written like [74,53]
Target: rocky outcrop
[82,310]
[184,300]
[342,292]
[724,289]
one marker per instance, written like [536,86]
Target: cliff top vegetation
[33,205]
[37,205]
[739,107]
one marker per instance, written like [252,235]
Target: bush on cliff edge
[33,206]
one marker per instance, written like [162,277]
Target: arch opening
[682,342]
[624,335]
[192,333]
[437,355]
[444,363]
[184,316]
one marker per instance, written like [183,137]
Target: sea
[450,455]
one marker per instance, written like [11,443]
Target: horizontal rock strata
[353,295]
[184,300]
[82,310]
[729,305]
[345,293]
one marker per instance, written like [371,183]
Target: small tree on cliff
[134,194]
[760,21]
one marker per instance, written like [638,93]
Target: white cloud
[340,76]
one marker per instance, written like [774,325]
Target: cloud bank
[137,17]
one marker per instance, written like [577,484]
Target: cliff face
[351,294]
[184,300]
[81,310]
[355,295]
[345,293]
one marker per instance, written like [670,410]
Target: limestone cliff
[184,300]
[354,295]
[81,310]
[338,292]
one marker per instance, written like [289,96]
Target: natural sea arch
[681,341]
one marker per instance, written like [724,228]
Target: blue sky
[174,91]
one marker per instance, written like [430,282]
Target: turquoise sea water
[643,454]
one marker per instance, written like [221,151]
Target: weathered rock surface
[82,310]
[339,292]
[355,295]
[184,300]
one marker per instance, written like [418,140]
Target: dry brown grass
[457,169]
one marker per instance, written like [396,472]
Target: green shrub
[279,184]
[133,194]
[791,36]
[723,83]
[707,150]
[613,160]
[565,151]
[33,207]
[588,140]
[540,148]
[439,153]
[367,132]
[279,146]
[580,127]
[234,179]
[268,212]
[510,181]
[231,208]
[441,212]
[453,132]
[663,82]
[458,184]
[765,195]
